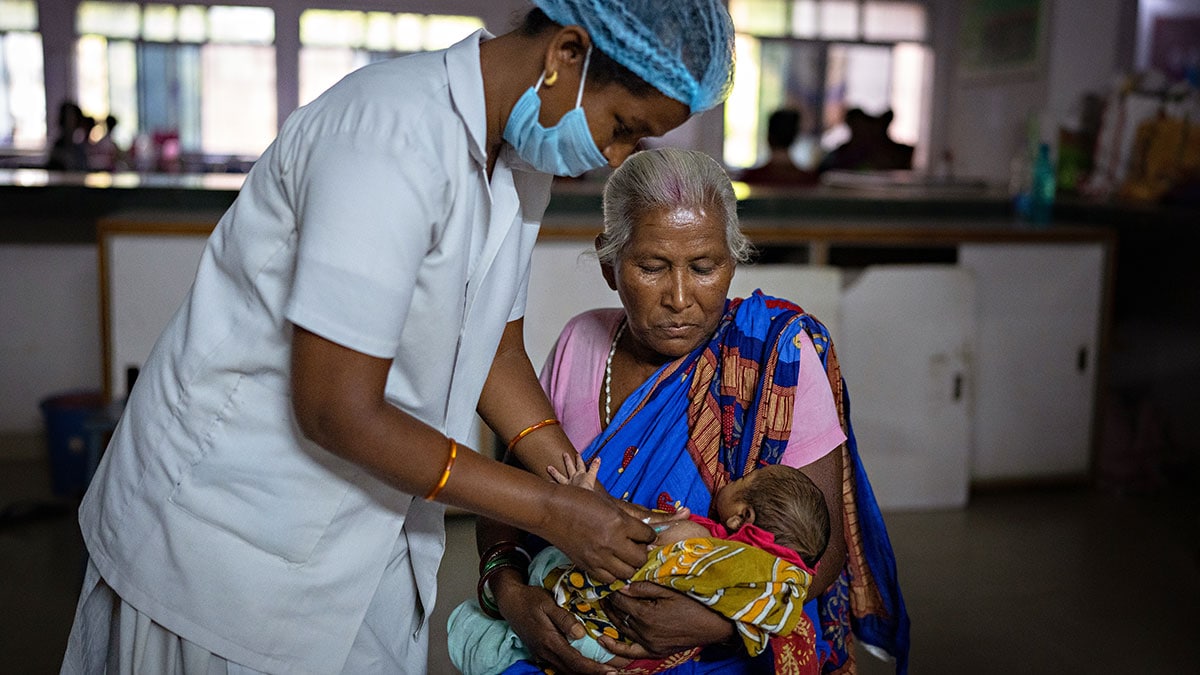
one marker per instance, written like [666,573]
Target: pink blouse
[574,375]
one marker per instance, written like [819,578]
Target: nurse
[272,499]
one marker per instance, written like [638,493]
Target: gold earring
[551,79]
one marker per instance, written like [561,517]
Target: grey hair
[667,177]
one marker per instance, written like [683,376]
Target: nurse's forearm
[338,399]
[489,532]
[414,460]
[513,400]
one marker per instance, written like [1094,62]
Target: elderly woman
[679,392]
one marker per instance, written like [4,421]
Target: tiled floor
[1062,581]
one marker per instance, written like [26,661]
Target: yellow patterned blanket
[763,594]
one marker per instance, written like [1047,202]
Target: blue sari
[723,410]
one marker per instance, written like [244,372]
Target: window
[824,57]
[336,42]
[198,80]
[22,82]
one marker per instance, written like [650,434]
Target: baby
[772,527]
[778,499]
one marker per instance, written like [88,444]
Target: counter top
[52,207]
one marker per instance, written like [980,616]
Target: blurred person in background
[105,154]
[783,126]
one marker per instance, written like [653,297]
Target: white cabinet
[49,328]
[146,278]
[1038,323]
[903,336]
[980,371]
[905,350]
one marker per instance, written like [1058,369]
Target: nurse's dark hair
[601,68]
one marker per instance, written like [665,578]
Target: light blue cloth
[481,645]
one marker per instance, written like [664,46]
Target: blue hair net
[683,48]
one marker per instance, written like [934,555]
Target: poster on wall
[1001,39]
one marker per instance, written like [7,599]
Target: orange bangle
[445,472]
[529,430]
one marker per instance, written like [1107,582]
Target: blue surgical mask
[565,149]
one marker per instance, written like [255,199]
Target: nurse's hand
[596,532]
[545,628]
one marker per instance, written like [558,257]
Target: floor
[1047,581]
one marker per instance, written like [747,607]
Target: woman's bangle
[484,592]
[498,556]
[508,552]
[529,430]
[487,599]
[445,472]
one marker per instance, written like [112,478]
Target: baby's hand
[576,472]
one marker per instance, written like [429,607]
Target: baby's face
[731,507]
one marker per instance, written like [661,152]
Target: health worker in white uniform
[272,498]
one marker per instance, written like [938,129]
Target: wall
[1085,44]
[1148,11]
[50,341]
[51,345]
[982,122]
[57,26]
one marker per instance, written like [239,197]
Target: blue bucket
[67,436]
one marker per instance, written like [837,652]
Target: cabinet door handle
[958,385]
[1081,359]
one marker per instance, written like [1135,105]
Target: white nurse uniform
[371,222]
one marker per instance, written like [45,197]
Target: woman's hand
[545,628]
[662,622]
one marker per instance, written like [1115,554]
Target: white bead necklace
[608,374]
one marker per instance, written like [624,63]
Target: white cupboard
[1038,317]
[147,277]
[906,354]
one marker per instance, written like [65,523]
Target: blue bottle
[1044,185]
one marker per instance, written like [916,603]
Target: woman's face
[672,277]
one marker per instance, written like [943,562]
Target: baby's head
[782,501]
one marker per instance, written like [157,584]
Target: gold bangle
[445,472]
[529,430]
